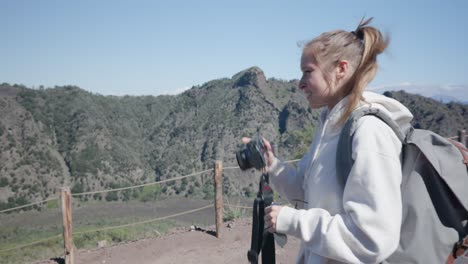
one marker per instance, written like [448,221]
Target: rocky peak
[252,76]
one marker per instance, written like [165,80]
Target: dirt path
[65,169]
[183,246]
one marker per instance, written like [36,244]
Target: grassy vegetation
[12,238]
[150,193]
[89,221]
[53,204]
[84,237]
[232,213]
[28,254]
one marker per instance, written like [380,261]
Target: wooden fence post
[218,186]
[67,226]
[462,137]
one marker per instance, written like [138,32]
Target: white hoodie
[360,224]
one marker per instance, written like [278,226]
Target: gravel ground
[184,246]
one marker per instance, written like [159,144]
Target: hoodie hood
[394,109]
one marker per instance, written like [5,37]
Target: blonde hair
[360,48]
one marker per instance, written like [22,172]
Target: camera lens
[242,157]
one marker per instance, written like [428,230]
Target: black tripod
[262,240]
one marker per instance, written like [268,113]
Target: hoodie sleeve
[368,229]
[288,180]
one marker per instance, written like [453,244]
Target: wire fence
[124,188]
[106,228]
[226,205]
[121,226]
[105,191]
[29,205]
[145,222]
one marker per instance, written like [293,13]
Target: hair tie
[359,35]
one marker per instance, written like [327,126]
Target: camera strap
[262,240]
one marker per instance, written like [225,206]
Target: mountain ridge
[102,142]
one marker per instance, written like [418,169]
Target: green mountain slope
[65,136]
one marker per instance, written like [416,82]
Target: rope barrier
[246,207]
[141,185]
[126,188]
[229,168]
[32,243]
[237,206]
[27,205]
[126,225]
[237,167]
[144,222]
[108,228]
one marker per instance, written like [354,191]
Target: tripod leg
[268,250]
[255,247]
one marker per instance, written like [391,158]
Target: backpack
[434,190]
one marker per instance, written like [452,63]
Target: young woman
[361,222]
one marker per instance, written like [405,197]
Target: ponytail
[373,44]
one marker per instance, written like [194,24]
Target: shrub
[208,190]
[231,213]
[77,188]
[2,129]
[150,193]
[112,196]
[248,192]
[3,182]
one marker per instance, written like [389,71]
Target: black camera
[252,156]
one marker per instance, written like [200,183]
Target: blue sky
[162,47]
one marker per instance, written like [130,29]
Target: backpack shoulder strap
[344,161]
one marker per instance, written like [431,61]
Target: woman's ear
[342,69]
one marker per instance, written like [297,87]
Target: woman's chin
[316,105]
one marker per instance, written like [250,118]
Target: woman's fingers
[268,216]
[271,215]
[267,144]
[272,229]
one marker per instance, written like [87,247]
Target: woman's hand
[267,151]
[271,216]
